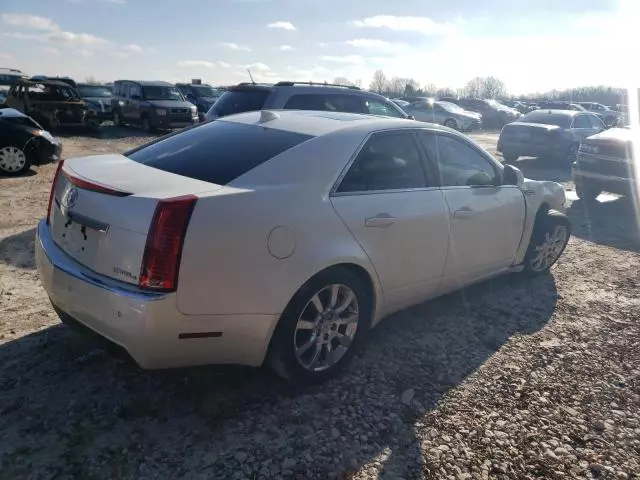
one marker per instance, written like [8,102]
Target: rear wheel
[549,239]
[117,118]
[14,160]
[146,124]
[451,123]
[322,326]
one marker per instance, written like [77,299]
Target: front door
[487,218]
[392,209]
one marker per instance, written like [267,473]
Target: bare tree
[396,86]
[379,82]
[445,92]
[411,88]
[342,81]
[358,83]
[474,87]
[429,89]
[90,79]
[493,88]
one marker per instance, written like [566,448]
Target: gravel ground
[514,378]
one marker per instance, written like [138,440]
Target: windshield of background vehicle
[94,91]
[161,93]
[205,91]
[238,101]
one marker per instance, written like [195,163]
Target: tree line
[484,87]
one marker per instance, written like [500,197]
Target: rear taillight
[161,260]
[52,193]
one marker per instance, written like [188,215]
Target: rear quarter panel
[227,266]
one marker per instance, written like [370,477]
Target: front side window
[460,165]
[161,92]
[134,91]
[386,162]
[375,107]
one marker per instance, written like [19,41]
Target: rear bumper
[607,183]
[522,149]
[146,324]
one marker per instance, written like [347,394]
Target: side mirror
[411,117]
[512,176]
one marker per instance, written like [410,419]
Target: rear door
[487,218]
[393,209]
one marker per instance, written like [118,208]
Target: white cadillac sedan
[280,237]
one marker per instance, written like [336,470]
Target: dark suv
[201,95]
[152,105]
[246,97]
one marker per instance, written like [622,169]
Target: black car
[494,114]
[554,134]
[201,95]
[98,100]
[606,163]
[24,142]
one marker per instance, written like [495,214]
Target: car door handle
[464,212]
[380,220]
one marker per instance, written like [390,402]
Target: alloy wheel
[326,328]
[12,159]
[550,249]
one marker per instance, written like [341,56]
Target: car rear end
[607,160]
[528,139]
[110,251]
[241,98]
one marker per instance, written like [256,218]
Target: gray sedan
[445,113]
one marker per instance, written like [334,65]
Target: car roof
[58,83]
[148,83]
[11,113]
[302,87]
[551,111]
[317,123]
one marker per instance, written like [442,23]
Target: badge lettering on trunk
[68,200]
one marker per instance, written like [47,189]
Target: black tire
[282,352]
[587,191]
[451,123]
[117,118]
[544,232]
[145,123]
[10,155]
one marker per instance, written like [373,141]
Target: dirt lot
[514,378]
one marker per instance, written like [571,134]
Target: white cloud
[195,63]
[51,51]
[234,46]
[29,21]
[282,25]
[224,65]
[117,2]
[424,25]
[378,45]
[6,57]
[257,66]
[352,59]
[134,48]
[77,38]
[285,48]
[84,52]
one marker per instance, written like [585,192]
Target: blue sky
[531,46]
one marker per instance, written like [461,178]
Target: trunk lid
[528,132]
[103,207]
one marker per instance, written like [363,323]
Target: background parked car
[98,100]
[554,134]
[24,142]
[560,105]
[401,103]
[494,114]
[68,80]
[246,97]
[519,106]
[606,163]
[51,103]
[203,96]
[444,113]
[151,105]
[610,117]
[8,76]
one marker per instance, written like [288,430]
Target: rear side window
[238,101]
[582,121]
[216,152]
[326,102]
[376,107]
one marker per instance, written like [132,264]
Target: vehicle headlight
[161,111]
[194,109]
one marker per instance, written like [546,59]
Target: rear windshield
[239,101]
[546,118]
[216,152]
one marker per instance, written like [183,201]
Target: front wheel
[117,118]
[451,123]
[549,239]
[321,327]
[14,160]
[146,124]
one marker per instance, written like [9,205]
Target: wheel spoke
[344,340]
[345,303]
[335,289]
[303,348]
[305,325]
[315,358]
[352,318]
[317,303]
[331,354]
